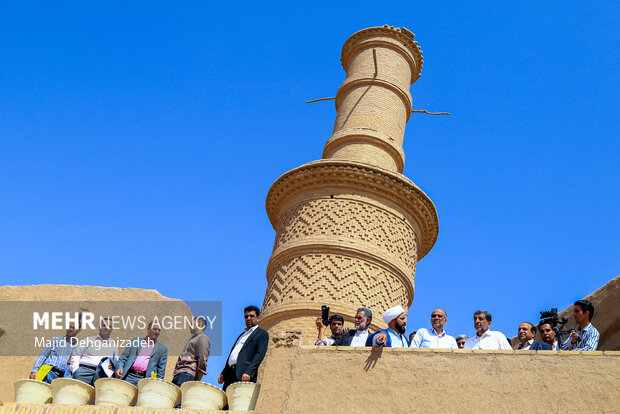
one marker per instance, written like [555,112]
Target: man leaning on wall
[436,337]
[359,335]
[585,337]
[192,362]
[146,357]
[336,325]
[394,335]
[92,352]
[486,338]
[525,336]
[54,359]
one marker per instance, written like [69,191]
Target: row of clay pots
[151,392]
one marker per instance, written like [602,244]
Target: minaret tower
[350,227]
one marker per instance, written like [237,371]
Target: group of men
[98,357]
[584,338]
[146,357]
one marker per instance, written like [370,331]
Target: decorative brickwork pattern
[356,178]
[326,278]
[352,220]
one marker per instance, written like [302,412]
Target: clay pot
[115,392]
[157,393]
[202,396]
[242,396]
[72,392]
[32,391]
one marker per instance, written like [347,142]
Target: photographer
[336,324]
[586,337]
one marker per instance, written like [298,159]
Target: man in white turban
[394,336]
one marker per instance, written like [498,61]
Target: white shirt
[360,338]
[234,354]
[425,338]
[527,345]
[489,340]
[91,351]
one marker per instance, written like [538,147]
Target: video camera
[551,317]
[325,315]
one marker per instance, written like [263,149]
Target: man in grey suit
[144,358]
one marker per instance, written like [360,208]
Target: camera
[551,317]
[325,315]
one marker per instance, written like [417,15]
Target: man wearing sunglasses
[436,337]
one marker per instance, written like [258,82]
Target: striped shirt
[588,340]
[56,354]
[325,342]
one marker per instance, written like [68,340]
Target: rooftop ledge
[456,351]
[23,408]
[404,380]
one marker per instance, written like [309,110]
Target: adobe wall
[17,367]
[298,379]
[606,314]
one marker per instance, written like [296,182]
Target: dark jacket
[540,346]
[157,363]
[250,356]
[346,338]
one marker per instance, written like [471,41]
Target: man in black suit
[359,335]
[248,351]
[526,334]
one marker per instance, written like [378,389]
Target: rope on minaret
[424,111]
[374,56]
[417,111]
[322,99]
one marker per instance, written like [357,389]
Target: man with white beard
[394,335]
[358,336]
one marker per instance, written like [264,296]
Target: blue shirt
[394,339]
[56,354]
[588,341]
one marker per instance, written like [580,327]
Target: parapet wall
[16,408]
[298,379]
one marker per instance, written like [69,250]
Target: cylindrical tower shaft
[374,103]
[350,228]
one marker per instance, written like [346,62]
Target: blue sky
[138,142]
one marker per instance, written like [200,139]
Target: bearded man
[394,335]
[359,336]
[486,338]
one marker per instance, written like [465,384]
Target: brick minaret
[350,227]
